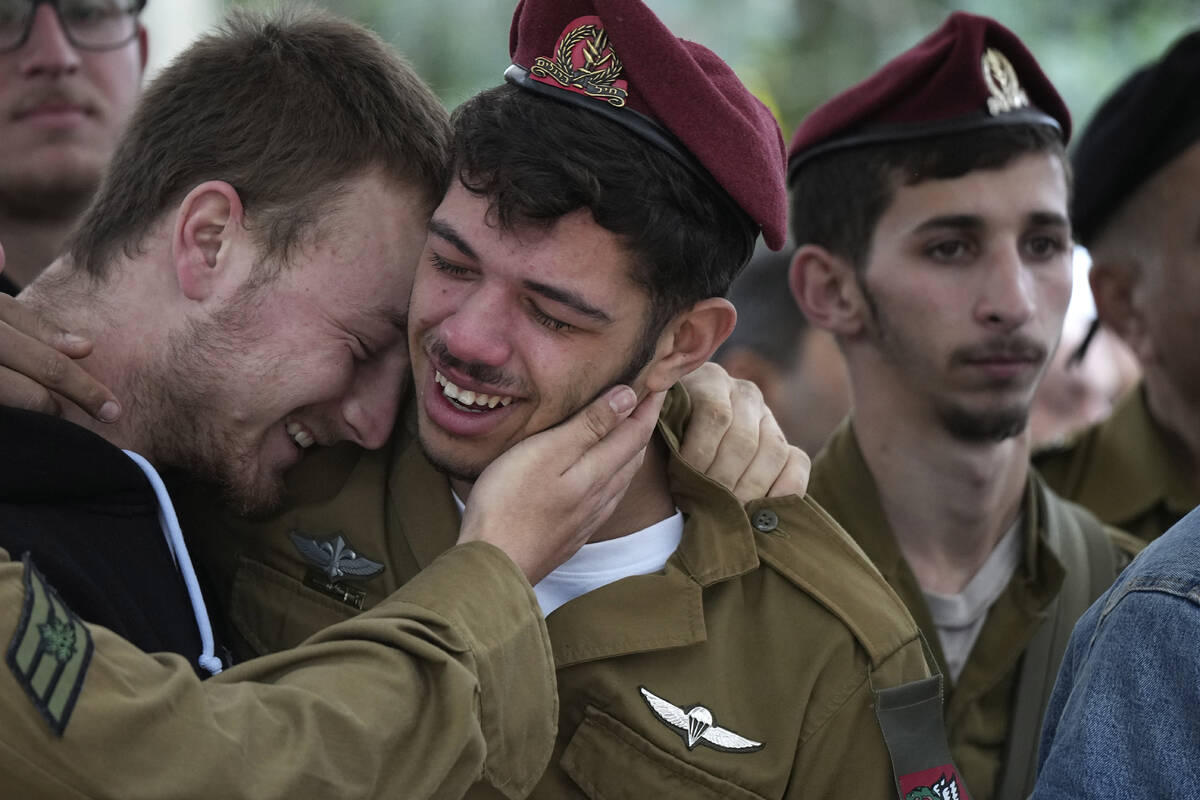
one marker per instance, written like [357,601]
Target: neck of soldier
[125,318]
[948,502]
[1176,415]
[647,501]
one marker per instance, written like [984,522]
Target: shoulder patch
[50,651]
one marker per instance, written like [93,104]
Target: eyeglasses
[88,24]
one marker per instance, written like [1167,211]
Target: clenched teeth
[300,435]
[468,398]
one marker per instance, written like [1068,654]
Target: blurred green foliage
[797,53]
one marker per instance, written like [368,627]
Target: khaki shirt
[780,628]
[979,705]
[1123,471]
[417,698]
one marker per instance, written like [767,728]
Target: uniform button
[766,520]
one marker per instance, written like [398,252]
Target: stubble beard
[967,425]
[177,398]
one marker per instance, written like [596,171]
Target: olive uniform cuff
[501,622]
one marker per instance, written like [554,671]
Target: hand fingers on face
[36,361]
[793,478]
[17,391]
[20,317]
[601,500]
[623,443]
[572,439]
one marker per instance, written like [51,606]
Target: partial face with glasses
[70,73]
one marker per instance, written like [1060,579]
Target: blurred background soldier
[70,72]
[1137,210]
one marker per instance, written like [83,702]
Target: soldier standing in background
[1137,210]
[929,204]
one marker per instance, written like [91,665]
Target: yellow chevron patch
[50,651]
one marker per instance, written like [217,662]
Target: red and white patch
[940,783]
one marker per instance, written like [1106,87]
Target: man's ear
[1113,288]
[208,220]
[826,289]
[689,340]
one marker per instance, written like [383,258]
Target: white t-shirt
[959,617]
[601,563]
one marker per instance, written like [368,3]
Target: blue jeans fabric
[1124,717]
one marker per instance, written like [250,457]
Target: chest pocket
[272,611]
[608,760]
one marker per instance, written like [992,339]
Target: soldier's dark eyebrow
[1048,219]
[963,221]
[444,230]
[570,299]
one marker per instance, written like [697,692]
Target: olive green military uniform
[418,698]
[772,620]
[1123,471]
[979,707]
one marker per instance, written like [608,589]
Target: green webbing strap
[914,730]
[1090,567]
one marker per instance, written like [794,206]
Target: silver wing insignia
[311,550]
[667,712]
[334,557]
[696,726]
[726,739]
[359,566]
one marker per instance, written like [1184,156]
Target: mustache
[55,95]
[483,373]
[1007,348]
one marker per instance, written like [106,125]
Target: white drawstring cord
[174,535]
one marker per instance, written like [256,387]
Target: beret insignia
[1001,79]
[584,62]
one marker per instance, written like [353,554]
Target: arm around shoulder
[449,680]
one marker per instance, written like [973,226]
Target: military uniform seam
[1180,588]
[876,652]
[499,562]
[639,742]
[838,704]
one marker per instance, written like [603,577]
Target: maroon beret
[617,58]
[972,72]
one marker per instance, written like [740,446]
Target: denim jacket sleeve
[1122,720]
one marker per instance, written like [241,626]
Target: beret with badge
[616,58]
[970,73]
[1149,120]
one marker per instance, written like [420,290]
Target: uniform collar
[665,610]
[842,482]
[638,614]
[1132,453]
[419,498]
